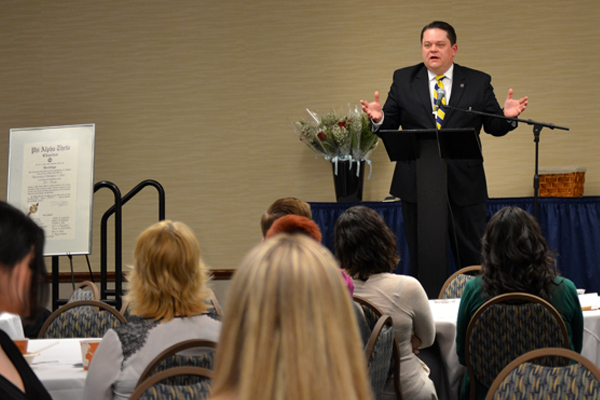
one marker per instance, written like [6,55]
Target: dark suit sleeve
[391,109]
[494,126]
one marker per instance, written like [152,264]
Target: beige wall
[199,95]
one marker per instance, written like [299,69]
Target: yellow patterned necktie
[439,117]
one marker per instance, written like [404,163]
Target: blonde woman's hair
[289,331]
[168,278]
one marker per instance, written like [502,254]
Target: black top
[33,387]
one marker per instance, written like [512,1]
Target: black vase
[348,186]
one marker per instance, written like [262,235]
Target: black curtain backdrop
[571,227]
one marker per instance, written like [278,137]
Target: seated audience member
[22,291]
[289,331]
[297,224]
[282,207]
[516,258]
[367,251]
[292,223]
[167,291]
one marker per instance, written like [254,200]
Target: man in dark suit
[410,104]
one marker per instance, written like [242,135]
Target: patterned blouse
[126,351]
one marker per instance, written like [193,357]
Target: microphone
[441,93]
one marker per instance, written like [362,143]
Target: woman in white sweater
[167,294]
[367,251]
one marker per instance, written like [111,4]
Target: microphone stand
[537,129]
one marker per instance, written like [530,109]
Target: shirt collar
[448,74]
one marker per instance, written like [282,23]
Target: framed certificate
[50,178]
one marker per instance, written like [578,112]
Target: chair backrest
[125,309]
[506,327]
[522,379]
[373,315]
[169,358]
[455,284]
[154,387]
[81,319]
[379,354]
[213,304]
[86,290]
[372,312]
[363,326]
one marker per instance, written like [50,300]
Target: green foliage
[334,136]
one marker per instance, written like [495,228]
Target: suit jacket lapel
[458,89]
[421,87]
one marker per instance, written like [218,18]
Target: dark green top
[564,299]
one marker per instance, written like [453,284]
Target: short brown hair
[450,32]
[281,207]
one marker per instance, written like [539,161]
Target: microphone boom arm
[527,121]
[537,129]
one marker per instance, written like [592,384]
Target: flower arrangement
[339,137]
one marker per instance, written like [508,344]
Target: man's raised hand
[373,110]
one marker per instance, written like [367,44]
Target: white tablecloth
[445,313]
[11,324]
[59,367]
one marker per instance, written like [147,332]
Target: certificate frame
[50,178]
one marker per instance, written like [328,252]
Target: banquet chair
[522,379]
[170,358]
[213,304]
[125,310]
[506,327]
[379,354]
[371,311]
[81,319]
[455,284]
[86,290]
[154,387]
[372,315]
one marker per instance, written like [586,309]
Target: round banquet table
[59,367]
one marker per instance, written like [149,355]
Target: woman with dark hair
[516,258]
[23,291]
[366,249]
